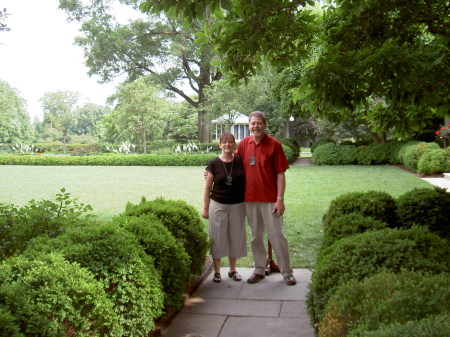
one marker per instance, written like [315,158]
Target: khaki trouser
[227,229]
[261,219]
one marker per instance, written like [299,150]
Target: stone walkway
[231,309]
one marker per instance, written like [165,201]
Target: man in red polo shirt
[264,165]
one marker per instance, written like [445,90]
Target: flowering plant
[444,134]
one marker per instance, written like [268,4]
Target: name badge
[252,161]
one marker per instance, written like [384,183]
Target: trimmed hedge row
[426,158]
[364,280]
[110,279]
[111,160]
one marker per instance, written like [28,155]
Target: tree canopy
[385,62]
[146,45]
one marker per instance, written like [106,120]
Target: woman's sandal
[217,277]
[235,275]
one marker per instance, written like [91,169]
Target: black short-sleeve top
[234,191]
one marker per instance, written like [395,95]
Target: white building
[233,122]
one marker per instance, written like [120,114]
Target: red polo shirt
[261,178]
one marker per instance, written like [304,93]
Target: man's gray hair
[258,114]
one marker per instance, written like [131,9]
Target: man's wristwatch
[280,198]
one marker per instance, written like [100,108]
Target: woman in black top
[224,207]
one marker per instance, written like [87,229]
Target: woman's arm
[206,196]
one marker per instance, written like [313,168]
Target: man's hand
[279,207]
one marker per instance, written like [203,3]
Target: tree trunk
[144,142]
[204,127]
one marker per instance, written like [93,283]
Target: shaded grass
[310,189]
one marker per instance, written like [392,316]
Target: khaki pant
[261,219]
[227,229]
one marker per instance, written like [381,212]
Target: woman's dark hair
[227,136]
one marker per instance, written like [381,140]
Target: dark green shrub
[53,297]
[432,161]
[115,258]
[432,326]
[388,298]
[291,148]
[425,207]
[183,222]
[86,150]
[8,324]
[366,254]
[171,260]
[290,153]
[377,204]
[321,142]
[374,154]
[349,224]
[332,154]
[404,149]
[414,153]
[18,225]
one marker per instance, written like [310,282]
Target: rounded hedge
[373,154]
[183,221]
[171,260]
[425,207]
[432,161]
[432,326]
[366,254]
[377,204]
[332,154]
[52,297]
[413,154]
[383,299]
[321,142]
[114,256]
[349,224]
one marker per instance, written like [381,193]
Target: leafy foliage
[116,259]
[18,225]
[183,221]
[377,204]
[333,154]
[432,326]
[366,254]
[171,260]
[425,207]
[388,298]
[349,224]
[43,301]
[432,161]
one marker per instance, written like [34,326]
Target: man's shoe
[255,278]
[290,280]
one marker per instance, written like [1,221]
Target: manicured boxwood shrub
[183,221]
[321,142]
[18,225]
[8,324]
[171,260]
[366,254]
[291,148]
[114,256]
[377,204]
[432,326]
[332,154]
[405,148]
[413,154]
[111,160]
[373,154]
[432,161]
[349,224]
[425,207]
[382,299]
[52,297]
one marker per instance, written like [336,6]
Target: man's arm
[281,187]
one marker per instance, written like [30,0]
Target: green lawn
[309,192]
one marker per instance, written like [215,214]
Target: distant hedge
[422,157]
[110,160]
